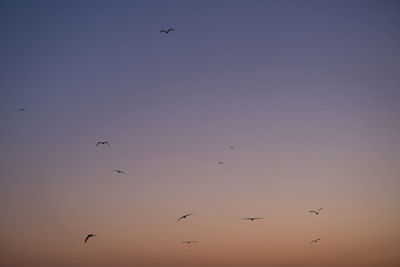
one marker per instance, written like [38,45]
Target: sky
[307,92]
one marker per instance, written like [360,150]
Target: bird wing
[98,143]
[106,142]
[319,209]
[180,218]
[163,31]
[170,30]
[313,211]
[184,216]
[86,239]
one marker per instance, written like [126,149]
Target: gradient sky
[307,92]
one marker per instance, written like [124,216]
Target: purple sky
[306,91]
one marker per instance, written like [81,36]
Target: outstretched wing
[184,216]
[319,209]
[89,236]
[313,211]
[163,31]
[170,30]
[180,218]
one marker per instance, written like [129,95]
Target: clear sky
[306,91]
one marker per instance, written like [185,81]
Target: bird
[316,212]
[103,143]
[184,216]
[232,147]
[220,162]
[252,218]
[120,172]
[315,240]
[21,109]
[89,236]
[167,31]
[188,242]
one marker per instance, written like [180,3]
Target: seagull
[220,162]
[120,172]
[21,109]
[184,216]
[103,143]
[89,236]
[188,242]
[315,240]
[167,31]
[316,212]
[252,218]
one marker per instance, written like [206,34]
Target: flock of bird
[107,143]
[316,212]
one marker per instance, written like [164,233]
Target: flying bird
[315,240]
[21,109]
[252,218]
[167,31]
[103,143]
[89,236]
[232,147]
[220,162]
[188,242]
[120,172]
[316,211]
[184,216]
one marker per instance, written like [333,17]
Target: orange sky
[307,92]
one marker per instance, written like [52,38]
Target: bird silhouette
[232,147]
[184,216]
[120,172]
[21,109]
[167,31]
[220,162]
[188,242]
[103,143]
[252,218]
[315,240]
[316,211]
[89,236]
